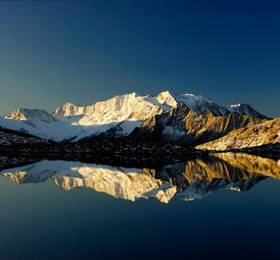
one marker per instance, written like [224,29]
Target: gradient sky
[54,52]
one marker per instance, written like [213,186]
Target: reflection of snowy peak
[192,180]
[119,182]
[171,116]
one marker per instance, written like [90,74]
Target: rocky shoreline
[128,152]
[121,152]
[271,151]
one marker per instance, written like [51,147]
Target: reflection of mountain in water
[252,163]
[190,180]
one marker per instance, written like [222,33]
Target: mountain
[186,117]
[194,179]
[261,134]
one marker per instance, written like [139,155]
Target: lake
[226,206]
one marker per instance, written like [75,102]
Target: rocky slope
[185,117]
[11,137]
[264,133]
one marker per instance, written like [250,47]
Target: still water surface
[223,207]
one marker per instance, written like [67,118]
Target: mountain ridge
[184,117]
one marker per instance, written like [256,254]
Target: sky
[83,51]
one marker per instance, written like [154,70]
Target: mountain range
[184,118]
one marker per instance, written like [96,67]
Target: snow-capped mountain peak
[243,108]
[193,101]
[69,109]
[167,98]
[236,105]
[131,105]
[117,108]
[24,114]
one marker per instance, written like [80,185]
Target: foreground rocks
[113,151]
[9,137]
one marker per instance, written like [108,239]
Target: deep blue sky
[54,52]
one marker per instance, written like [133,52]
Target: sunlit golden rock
[267,132]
